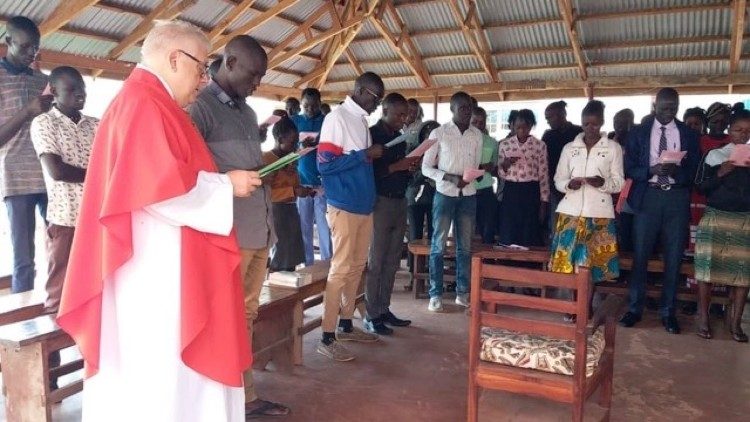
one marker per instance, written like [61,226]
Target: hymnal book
[288,279]
[472,174]
[280,163]
[740,155]
[271,120]
[422,148]
[671,157]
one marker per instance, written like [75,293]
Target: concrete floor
[419,374]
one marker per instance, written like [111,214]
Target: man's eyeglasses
[378,98]
[202,67]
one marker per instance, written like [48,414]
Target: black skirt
[519,214]
[289,250]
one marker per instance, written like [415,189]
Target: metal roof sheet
[427,16]
[548,34]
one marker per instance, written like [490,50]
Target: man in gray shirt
[230,128]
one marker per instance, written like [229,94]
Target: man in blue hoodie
[312,209]
[345,155]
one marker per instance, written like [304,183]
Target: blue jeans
[22,223]
[665,215]
[461,211]
[313,211]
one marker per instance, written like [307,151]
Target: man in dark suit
[660,197]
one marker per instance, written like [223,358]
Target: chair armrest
[609,309]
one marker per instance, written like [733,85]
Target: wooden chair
[527,325]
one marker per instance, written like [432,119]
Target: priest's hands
[244,182]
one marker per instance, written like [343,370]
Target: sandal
[704,333]
[739,336]
[264,409]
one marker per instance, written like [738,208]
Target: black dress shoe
[376,326]
[671,325]
[391,319]
[629,319]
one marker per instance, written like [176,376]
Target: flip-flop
[267,409]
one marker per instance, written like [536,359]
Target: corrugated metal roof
[34,10]
[401,83]
[277,78]
[274,32]
[342,71]
[386,68]
[548,75]
[106,21]
[674,51]
[367,30]
[426,16]
[535,59]
[456,81]
[299,64]
[206,12]
[339,86]
[685,68]
[516,10]
[373,50]
[610,6]
[467,63]
[549,34]
[673,25]
[454,43]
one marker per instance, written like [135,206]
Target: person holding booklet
[660,199]
[288,251]
[522,165]
[312,209]
[589,172]
[392,173]
[230,127]
[722,245]
[458,148]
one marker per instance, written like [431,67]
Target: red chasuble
[147,150]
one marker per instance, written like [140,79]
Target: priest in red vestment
[152,295]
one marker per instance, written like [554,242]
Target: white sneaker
[462,300]
[436,304]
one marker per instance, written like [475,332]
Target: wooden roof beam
[341,42]
[279,48]
[63,13]
[229,19]
[410,54]
[738,28]
[276,59]
[566,9]
[167,9]
[262,18]
[474,34]
[353,61]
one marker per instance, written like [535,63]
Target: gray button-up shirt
[230,129]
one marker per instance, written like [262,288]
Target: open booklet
[422,148]
[283,161]
[671,157]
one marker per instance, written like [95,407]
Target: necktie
[663,180]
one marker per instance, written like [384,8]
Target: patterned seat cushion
[533,351]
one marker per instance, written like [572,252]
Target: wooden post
[434,107]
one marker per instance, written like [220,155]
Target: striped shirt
[20,170]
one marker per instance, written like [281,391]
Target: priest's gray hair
[165,35]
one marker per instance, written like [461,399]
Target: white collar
[578,140]
[162,80]
[353,107]
[670,126]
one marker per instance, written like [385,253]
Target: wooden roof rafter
[411,56]
[474,34]
[283,55]
[167,9]
[567,12]
[738,28]
[340,43]
[303,30]
[262,18]
[229,19]
[63,13]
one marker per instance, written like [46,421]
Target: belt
[666,186]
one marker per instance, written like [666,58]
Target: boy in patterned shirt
[62,139]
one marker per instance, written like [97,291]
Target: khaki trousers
[253,273]
[59,242]
[350,235]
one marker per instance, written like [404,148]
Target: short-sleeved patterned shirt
[531,166]
[20,170]
[55,133]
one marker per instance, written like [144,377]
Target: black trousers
[486,215]
[665,215]
[418,215]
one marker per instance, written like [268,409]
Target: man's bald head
[245,64]
[368,91]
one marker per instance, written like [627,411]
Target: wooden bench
[420,250]
[273,330]
[24,349]
[308,296]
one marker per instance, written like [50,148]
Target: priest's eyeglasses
[202,67]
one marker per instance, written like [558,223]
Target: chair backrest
[490,308]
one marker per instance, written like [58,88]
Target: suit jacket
[637,154]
